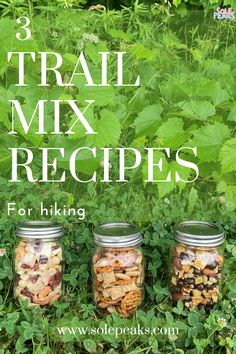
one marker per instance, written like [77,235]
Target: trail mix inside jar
[196,271]
[38,264]
[118,276]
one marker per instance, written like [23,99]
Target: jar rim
[199,233]
[117,234]
[44,230]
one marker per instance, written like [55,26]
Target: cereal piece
[121,276]
[109,301]
[199,264]
[105,293]
[57,252]
[123,281]
[23,283]
[174,281]
[139,259]
[54,298]
[36,287]
[131,300]
[57,267]
[131,269]
[204,279]
[213,292]
[96,295]
[116,292]
[44,293]
[111,309]
[42,302]
[117,264]
[103,262]
[179,249]
[212,280]
[196,293]
[219,260]
[129,287]
[196,300]
[133,274]
[109,277]
[104,270]
[20,253]
[122,312]
[198,280]
[180,274]
[100,277]
[54,261]
[103,305]
[28,260]
[186,291]
[186,268]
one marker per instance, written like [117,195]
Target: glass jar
[196,264]
[118,269]
[38,262]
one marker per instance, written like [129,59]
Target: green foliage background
[187,98]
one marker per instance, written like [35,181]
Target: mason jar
[38,262]
[196,264]
[118,268]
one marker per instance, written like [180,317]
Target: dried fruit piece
[209,272]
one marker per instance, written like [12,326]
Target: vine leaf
[227,156]
[148,120]
[107,128]
[171,133]
[199,110]
[208,140]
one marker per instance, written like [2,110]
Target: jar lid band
[199,233]
[39,230]
[117,235]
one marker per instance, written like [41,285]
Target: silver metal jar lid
[199,233]
[39,230]
[117,235]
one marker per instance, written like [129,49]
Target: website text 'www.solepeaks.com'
[119,331]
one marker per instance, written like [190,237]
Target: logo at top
[224,14]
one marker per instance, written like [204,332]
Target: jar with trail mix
[118,268]
[38,262]
[197,261]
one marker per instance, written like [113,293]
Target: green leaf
[199,110]
[177,2]
[193,319]
[165,187]
[148,120]
[102,95]
[107,128]
[90,346]
[232,285]
[171,133]
[192,199]
[141,52]
[116,33]
[227,156]
[220,95]
[208,140]
[232,113]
